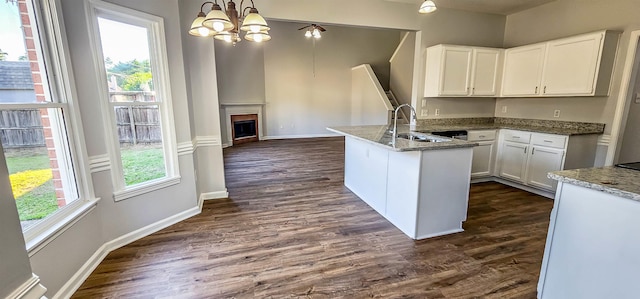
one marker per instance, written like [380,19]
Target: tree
[132,75]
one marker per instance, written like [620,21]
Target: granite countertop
[613,180]
[490,123]
[381,135]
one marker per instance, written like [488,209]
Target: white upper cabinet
[571,65]
[523,70]
[574,66]
[461,71]
[485,71]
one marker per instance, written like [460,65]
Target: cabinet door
[513,159]
[523,70]
[542,161]
[482,159]
[454,74]
[570,65]
[485,72]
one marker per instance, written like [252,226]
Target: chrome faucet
[395,122]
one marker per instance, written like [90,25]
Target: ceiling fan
[313,30]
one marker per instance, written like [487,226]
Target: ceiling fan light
[308,34]
[216,17]
[427,7]
[316,33]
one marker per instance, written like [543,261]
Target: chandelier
[227,26]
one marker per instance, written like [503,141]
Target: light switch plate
[504,109]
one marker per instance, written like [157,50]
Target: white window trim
[158,53]
[50,37]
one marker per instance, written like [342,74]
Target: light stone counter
[617,181]
[380,135]
[490,123]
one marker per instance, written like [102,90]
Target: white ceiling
[503,7]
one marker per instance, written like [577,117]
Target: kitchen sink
[421,137]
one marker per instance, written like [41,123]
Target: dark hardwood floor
[290,229]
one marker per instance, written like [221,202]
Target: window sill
[49,229]
[145,188]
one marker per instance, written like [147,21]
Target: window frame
[162,86]
[50,40]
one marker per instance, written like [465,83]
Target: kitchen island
[592,245]
[419,183]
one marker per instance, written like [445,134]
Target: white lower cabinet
[513,161]
[483,154]
[526,157]
[542,161]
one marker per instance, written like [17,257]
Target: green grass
[141,164]
[39,203]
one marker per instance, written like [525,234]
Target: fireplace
[244,128]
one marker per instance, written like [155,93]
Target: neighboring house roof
[15,75]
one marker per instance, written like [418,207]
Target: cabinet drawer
[549,140]
[481,135]
[517,136]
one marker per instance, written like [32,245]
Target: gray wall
[14,261]
[281,72]
[301,101]
[447,26]
[402,66]
[629,149]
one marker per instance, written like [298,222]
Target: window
[35,117]
[133,72]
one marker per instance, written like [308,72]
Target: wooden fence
[23,128]
[138,124]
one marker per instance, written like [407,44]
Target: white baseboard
[214,195]
[301,136]
[83,273]
[30,289]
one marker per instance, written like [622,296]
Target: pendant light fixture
[427,7]
[226,25]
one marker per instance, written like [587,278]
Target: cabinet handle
[548,141]
[515,137]
[525,149]
[545,90]
[536,90]
[481,136]
[533,150]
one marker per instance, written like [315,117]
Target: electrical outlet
[556,113]
[637,98]
[437,112]
[504,109]
[424,112]
[424,102]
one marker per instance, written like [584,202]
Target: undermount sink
[421,137]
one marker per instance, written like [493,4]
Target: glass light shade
[215,17]
[228,37]
[427,7]
[197,29]
[308,34]
[261,36]
[316,33]
[252,21]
